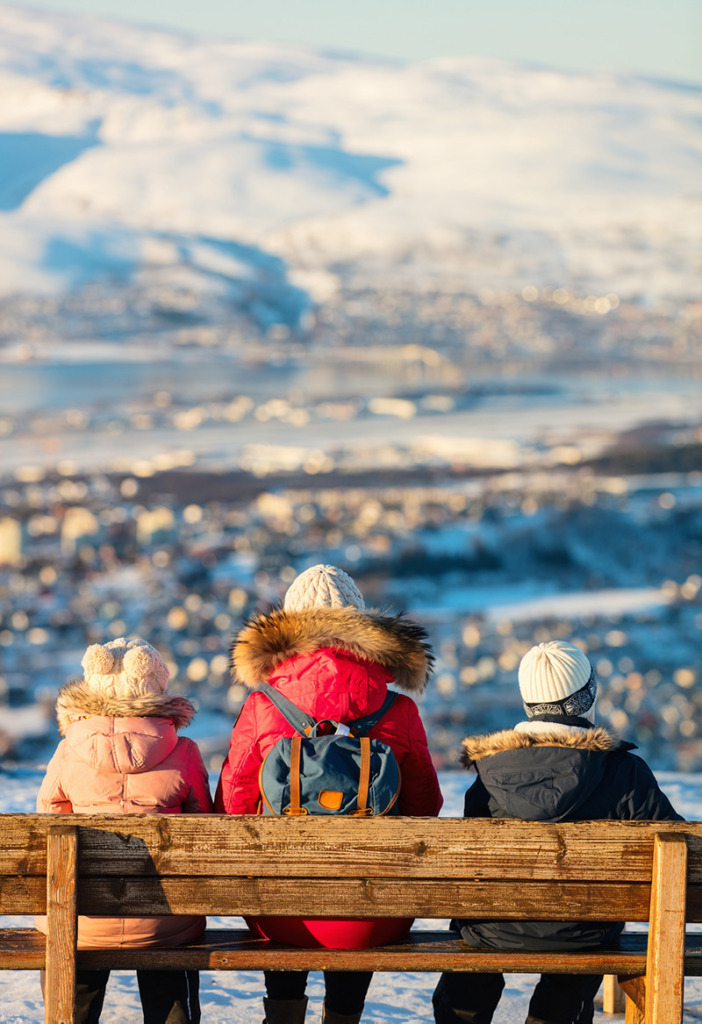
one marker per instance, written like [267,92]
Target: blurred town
[505,468]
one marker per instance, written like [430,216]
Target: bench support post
[613,995]
[62,924]
[665,967]
[635,990]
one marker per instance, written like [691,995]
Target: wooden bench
[414,867]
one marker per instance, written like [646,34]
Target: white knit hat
[323,586]
[556,678]
[124,668]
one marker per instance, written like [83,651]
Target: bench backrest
[215,864]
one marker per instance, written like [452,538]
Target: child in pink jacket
[121,754]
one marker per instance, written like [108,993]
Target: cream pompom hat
[323,586]
[557,679]
[124,668]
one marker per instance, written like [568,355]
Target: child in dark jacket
[555,766]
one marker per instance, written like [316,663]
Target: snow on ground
[235,998]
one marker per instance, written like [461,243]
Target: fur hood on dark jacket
[77,698]
[396,643]
[553,735]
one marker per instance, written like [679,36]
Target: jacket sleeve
[420,795]
[238,790]
[641,797]
[198,800]
[51,798]
[475,804]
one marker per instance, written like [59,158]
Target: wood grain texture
[613,998]
[380,897]
[61,921]
[635,991]
[172,895]
[22,949]
[213,845]
[23,895]
[664,975]
[238,949]
[425,951]
[131,865]
[436,952]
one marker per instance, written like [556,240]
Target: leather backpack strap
[364,777]
[299,720]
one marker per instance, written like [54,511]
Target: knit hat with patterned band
[323,586]
[558,684]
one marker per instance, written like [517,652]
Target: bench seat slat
[22,949]
[237,949]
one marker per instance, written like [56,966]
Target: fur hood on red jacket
[333,663]
[392,641]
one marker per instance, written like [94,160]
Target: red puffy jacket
[333,663]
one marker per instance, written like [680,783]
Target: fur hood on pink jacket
[106,763]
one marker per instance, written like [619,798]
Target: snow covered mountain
[240,168]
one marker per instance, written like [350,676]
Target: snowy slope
[235,997]
[123,149]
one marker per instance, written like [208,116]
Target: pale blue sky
[656,37]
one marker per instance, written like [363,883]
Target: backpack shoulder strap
[293,715]
[363,725]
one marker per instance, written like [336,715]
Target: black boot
[332,1017]
[285,1011]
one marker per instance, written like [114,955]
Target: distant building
[156,526]
[79,527]
[11,542]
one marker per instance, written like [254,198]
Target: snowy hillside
[246,168]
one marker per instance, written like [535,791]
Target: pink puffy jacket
[333,663]
[126,764]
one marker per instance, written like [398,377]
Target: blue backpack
[341,771]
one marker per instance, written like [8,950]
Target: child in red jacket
[334,659]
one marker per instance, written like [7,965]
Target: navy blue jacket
[556,773]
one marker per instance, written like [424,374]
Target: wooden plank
[388,897]
[664,975]
[417,850]
[238,949]
[22,949]
[23,895]
[635,991]
[233,896]
[197,895]
[61,884]
[167,897]
[425,951]
[419,847]
[613,997]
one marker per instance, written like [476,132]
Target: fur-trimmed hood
[549,735]
[540,771]
[392,641]
[77,699]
